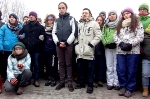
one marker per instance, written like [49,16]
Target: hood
[86,20]
[46,18]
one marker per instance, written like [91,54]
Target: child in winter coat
[18,69]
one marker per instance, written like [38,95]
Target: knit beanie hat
[14,15]
[33,13]
[113,11]
[127,10]
[19,45]
[144,5]
[102,12]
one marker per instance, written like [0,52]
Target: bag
[125,46]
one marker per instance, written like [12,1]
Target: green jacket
[107,35]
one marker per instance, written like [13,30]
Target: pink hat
[127,10]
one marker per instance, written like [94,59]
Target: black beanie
[14,15]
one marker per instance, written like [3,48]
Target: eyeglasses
[61,8]
[142,9]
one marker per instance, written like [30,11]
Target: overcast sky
[43,7]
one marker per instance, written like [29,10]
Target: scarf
[126,22]
[12,27]
[144,18]
[21,56]
[112,24]
[48,29]
[32,23]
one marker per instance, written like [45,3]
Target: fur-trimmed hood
[46,18]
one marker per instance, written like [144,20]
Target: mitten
[147,30]
[41,37]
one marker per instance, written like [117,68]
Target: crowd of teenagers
[83,51]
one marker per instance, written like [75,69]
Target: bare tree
[13,6]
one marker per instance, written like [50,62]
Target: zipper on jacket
[62,28]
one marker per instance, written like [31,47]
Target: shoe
[145,92]
[28,83]
[48,83]
[128,94]
[20,91]
[60,86]
[116,87]
[109,87]
[37,84]
[89,88]
[79,86]
[122,92]
[0,85]
[53,83]
[100,84]
[70,87]
[95,84]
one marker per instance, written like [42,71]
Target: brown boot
[37,84]
[145,92]
[20,91]
[60,86]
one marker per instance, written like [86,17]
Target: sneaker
[109,87]
[70,87]
[53,83]
[122,92]
[20,91]
[100,84]
[128,94]
[48,83]
[60,86]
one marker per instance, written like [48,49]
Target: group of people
[116,42]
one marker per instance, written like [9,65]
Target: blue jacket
[8,38]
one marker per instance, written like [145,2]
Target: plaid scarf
[12,27]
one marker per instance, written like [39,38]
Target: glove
[14,81]
[22,36]
[20,66]
[147,30]
[41,37]
[111,45]
[125,46]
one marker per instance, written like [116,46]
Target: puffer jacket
[8,38]
[89,35]
[133,38]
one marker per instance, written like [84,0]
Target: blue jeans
[82,67]
[99,67]
[35,66]
[126,70]
[145,72]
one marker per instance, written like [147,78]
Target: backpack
[76,26]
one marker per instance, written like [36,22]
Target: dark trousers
[51,66]
[3,57]
[126,69]
[22,78]
[35,66]
[82,69]
[100,69]
[65,59]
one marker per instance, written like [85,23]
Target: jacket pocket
[88,50]
[77,49]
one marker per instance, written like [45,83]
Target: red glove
[13,81]
[20,66]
